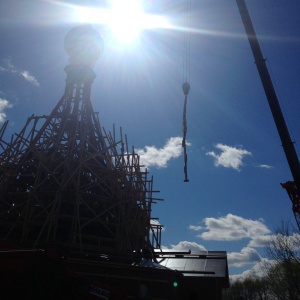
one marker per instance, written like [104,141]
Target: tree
[283,269]
[251,288]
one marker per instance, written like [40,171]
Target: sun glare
[126,19]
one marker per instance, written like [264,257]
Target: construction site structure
[75,208]
[292,187]
[67,183]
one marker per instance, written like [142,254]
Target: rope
[186,86]
[185,89]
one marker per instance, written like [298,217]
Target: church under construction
[69,187]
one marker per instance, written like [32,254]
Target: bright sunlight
[126,19]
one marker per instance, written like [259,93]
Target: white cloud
[258,270]
[263,166]
[260,241]
[232,228]
[186,246]
[291,241]
[156,223]
[8,66]
[230,157]
[152,156]
[4,104]
[30,78]
[195,228]
[245,257]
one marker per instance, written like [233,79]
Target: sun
[125,18]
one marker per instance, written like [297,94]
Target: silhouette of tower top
[84,45]
[66,182]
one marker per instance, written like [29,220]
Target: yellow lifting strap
[185,89]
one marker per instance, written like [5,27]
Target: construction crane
[292,187]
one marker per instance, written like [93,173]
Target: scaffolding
[66,182]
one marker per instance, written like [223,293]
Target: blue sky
[234,200]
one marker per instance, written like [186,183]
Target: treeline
[280,274]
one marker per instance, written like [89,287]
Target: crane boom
[292,188]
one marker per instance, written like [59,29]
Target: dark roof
[204,264]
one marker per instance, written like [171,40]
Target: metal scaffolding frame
[65,182]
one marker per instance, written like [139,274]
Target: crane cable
[186,85]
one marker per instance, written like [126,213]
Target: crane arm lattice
[292,191]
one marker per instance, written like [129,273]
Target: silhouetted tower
[65,182]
